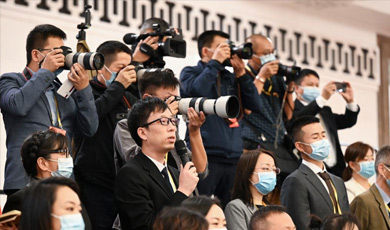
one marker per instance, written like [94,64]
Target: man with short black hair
[221,137]
[310,101]
[94,163]
[372,206]
[146,184]
[311,189]
[30,102]
[271,217]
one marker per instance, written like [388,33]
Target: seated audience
[345,221]
[311,101]
[179,218]
[146,184]
[44,154]
[372,206]
[311,189]
[255,178]
[361,167]
[210,208]
[272,217]
[52,203]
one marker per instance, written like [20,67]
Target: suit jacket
[26,110]
[370,209]
[333,122]
[238,215]
[303,194]
[141,192]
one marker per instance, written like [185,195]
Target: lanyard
[58,114]
[269,91]
[169,174]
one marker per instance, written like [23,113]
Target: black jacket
[94,162]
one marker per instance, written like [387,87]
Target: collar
[384,196]
[158,164]
[313,167]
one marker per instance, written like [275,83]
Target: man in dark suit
[371,207]
[310,101]
[310,189]
[146,184]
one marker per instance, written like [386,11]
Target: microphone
[181,150]
[130,38]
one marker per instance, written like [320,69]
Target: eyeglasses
[62,151]
[165,121]
[44,49]
[176,98]
[268,169]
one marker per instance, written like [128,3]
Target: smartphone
[341,86]
[11,216]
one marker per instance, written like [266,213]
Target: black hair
[37,38]
[152,81]
[300,122]
[140,113]
[201,204]
[206,38]
[148,24]
[258,219]
[304,73]
[174,218]
[110,48]
[346,221]
[40,144]
[38,202]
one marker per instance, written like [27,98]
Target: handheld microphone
[181,150]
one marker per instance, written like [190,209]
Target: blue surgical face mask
[265,58]
[65,167]
[267,182]
[320,150]
[71,221]
[367,169]
[310,93]
[112,78]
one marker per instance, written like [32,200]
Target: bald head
[259,42]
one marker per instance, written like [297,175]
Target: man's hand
[78,76]
[127,76]
[328,90]
[348,94]
[53,60]
[269,69]
[172,104]
[196,120]
[238,65]
[142,57]
[188,178]
[222,52]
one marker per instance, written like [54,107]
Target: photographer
[30,102]
[266,127]
[94,163]
[221,137]
[310,101]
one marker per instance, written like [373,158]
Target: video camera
[174,45]
[89,60]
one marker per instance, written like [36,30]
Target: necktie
[325,176]
[164,172]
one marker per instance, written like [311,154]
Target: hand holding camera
[346,91]
[140,56]
[173,104]
[53,60]
[269,69]
[78,76]
[196,120]
[127,76]
[238,65]
[222,52]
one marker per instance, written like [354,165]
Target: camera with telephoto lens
[224,106]
[173,46]
[290,72]
[89,60]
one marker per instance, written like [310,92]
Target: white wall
[16,21]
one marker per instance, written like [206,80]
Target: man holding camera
[310,101]
[94,163]
[221,137]
[265,128]
[30,102]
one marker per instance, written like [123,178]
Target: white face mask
[65,167]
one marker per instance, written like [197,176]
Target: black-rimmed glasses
[62,151]
[165,121]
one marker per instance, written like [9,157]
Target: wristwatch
[260,79]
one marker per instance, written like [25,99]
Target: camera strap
[267,92]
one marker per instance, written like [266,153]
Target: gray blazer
[238,215]
[26,110]
[303,194]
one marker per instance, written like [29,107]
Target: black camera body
[89,60]
[243,51]
[290,72]
[173,46]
